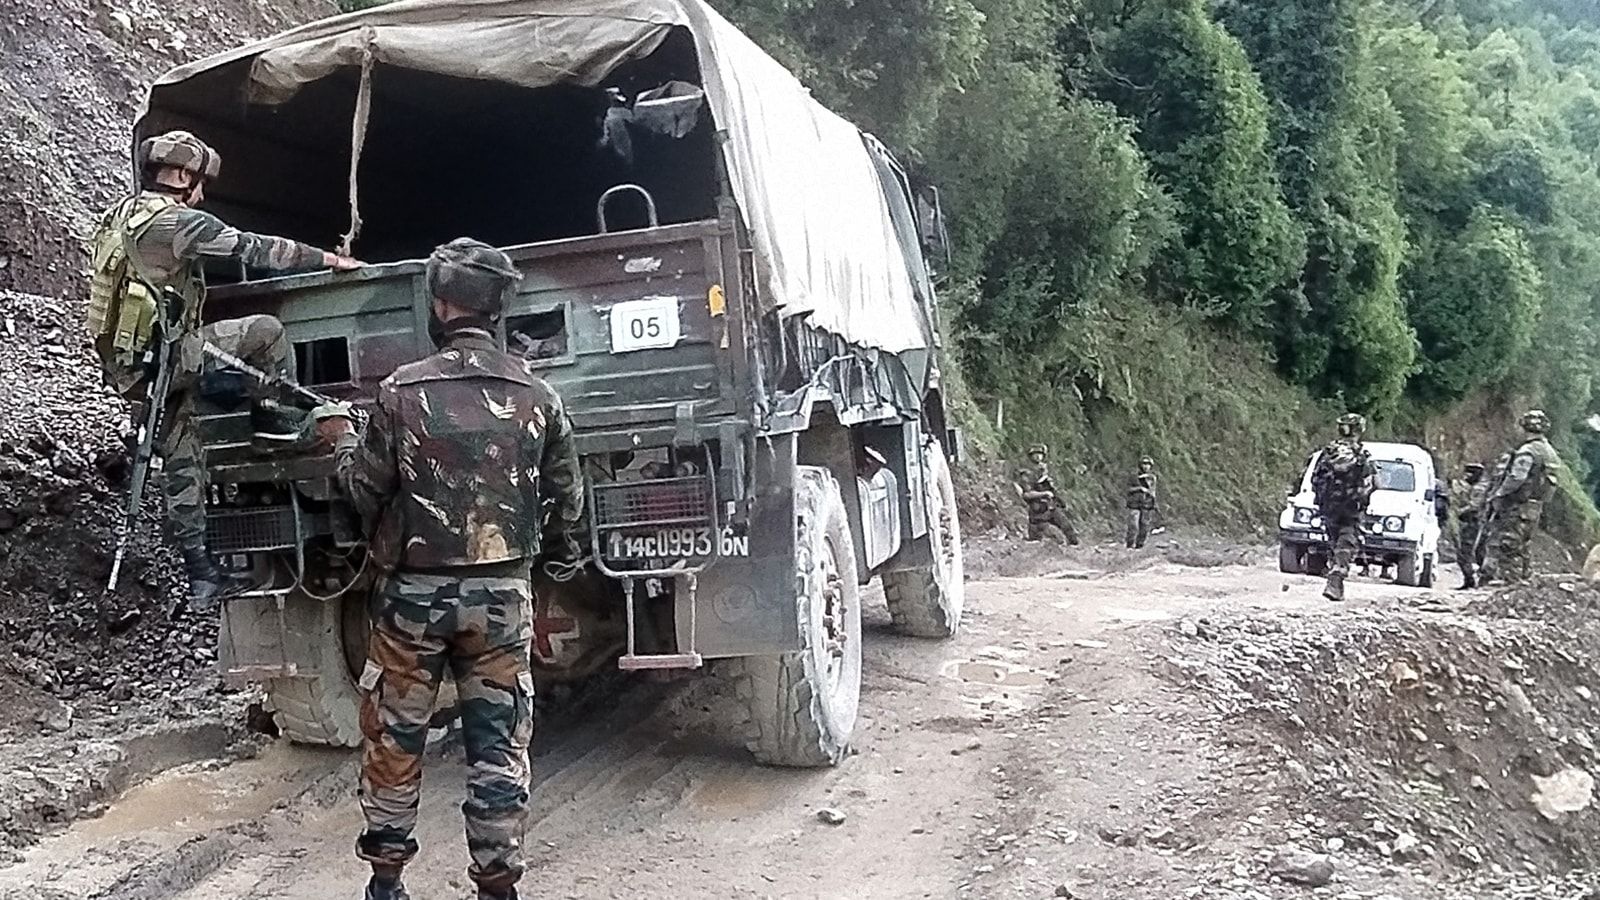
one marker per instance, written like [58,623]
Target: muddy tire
[1316,563]
[1426,578]
[1406,570]
[802,706]
[326,641]
[1290,559]
[925,600]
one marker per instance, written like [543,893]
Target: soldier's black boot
[1334,589]
[208,584]
[1467,582]
[274,424]
[385,885]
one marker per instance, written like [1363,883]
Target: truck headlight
[1395,524]
[1302,516]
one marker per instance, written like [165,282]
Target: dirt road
[1054,749]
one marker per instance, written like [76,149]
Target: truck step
[634,662]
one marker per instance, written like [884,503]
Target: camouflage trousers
[1471,545]
[1345,537]
[259,341]
[1509,540]
[1138,530]
[477,623]
[1056,516]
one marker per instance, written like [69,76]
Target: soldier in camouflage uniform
[1472,491]
[1141,503]
[1517,502]
[1045,506]
[462,451]
[147,256]
[1343,481]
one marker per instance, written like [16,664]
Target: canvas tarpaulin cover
[822,235]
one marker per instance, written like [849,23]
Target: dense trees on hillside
[1400,199]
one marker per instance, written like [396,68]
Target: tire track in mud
[609,762]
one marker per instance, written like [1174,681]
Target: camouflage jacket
[169,244]
[1343,494]
[1531,475]
[1142,491]
[461,454]
[1033,482]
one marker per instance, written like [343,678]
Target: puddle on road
[978,671]
[200,795]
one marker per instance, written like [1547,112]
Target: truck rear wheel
[327,642]
[802,705]
[925,600]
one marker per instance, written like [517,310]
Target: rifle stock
[145,452]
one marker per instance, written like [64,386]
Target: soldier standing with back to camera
[462,451]
[1343,481]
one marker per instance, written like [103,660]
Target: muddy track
[1077,739]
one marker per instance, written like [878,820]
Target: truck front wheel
[802,705]
[925,599]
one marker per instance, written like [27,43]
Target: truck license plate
[651,323]
[667,543]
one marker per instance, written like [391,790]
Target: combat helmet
[1146,461]
[180,150]
[472,275]
[1534,421]
[1352,425]
[1041,449]
[1472,470]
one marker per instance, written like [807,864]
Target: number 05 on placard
[644,324]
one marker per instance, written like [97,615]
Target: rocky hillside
[72,73]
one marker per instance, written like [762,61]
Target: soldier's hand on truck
[333,421]
[340,263]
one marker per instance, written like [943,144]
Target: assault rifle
[149,432]
[298,391]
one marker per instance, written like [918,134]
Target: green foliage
[1474,299]
[1202,120]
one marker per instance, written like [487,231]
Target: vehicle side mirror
[1429,494]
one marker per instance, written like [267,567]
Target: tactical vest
[124,298]
[1339,494]
[1142,491]
[1541,481]
[469,429]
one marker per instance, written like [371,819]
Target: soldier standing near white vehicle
[1343,482]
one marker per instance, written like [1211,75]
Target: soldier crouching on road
[147,287]
[1038,492]
[449,476]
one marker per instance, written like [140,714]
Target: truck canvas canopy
[507,119]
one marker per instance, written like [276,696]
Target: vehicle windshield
[1394,475]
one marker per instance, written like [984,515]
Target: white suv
[1400,526]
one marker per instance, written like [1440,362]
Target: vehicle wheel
[327,641]
[802,705]
[1426,579]
[1291,559]
[926,599]
[1405,570]
[1316,563]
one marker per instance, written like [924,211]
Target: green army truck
[729,285]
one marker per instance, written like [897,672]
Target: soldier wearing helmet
[1473,489]
[1038,493]
[1516,503]
[1141,503]
[1342,481]
[146,259]
[462,452]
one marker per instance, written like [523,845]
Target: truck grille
[664,501]
[258,529]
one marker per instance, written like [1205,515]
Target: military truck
[729,284]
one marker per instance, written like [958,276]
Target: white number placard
[644,324]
